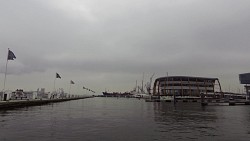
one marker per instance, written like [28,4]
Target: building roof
[205,78]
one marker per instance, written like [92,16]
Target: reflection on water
[124,119]
[185,121]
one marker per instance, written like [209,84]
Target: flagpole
[5,71]
[69,88]
[55,84]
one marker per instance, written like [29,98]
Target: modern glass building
[187,86]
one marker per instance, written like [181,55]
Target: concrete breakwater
[24,103]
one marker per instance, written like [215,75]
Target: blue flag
[11,55]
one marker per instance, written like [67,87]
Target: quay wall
[25,103]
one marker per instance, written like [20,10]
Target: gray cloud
[109,44]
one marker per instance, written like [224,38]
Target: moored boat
[117,94]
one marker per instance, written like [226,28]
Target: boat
[116,94]
[139,91]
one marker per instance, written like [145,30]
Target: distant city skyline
[110,44]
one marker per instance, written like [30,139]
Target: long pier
[24,103]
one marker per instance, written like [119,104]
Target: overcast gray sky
[111,43]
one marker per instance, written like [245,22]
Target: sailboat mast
[135,85]
[142,83]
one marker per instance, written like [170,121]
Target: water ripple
[111,119]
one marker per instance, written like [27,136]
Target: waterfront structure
[187,86]
[245,79]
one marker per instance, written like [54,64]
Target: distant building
[245,79]
[6,95]
[186,86]
[42,94]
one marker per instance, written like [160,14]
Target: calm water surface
[112,119]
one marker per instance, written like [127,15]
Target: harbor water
[125,119]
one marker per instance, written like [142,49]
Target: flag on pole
[11,55]
[58,76]
[72,82]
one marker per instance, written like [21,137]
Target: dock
[225,103]
[206,102]
[24,103]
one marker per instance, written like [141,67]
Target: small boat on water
[116,94]
[140,95]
